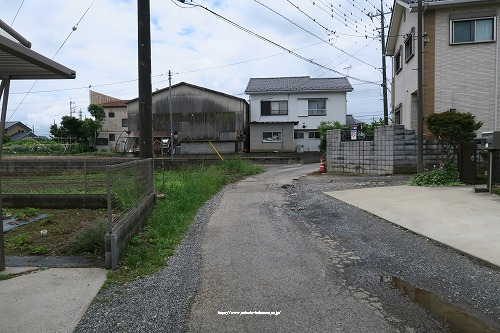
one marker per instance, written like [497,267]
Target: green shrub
[90,240]
[444,176]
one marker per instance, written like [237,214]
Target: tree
[369,129]
[323,127]
[451,128]
[70,127]
[90,127]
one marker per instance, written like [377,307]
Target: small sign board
[354,134]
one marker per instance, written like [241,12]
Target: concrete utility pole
[145,89]
[384,65]
[420,92]
[171,120]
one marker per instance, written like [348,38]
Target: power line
[312,34]
[345,18]
[72,30]
[159,75]
[19,9]
[276,44]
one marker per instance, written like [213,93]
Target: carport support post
[4,91]
[490,171]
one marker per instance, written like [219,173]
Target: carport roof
[17,62]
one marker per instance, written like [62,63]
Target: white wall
[406,81]
[336,108]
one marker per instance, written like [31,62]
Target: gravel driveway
[275,244]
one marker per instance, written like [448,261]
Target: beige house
[114,133]
[16,130]
[460,60]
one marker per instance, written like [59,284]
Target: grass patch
[496,190]
[90,240]
[62,225]
[444,176]
[187,191]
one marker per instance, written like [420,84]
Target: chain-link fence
[130,191]
[128,184]
[77,177]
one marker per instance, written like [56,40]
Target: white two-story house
[285,112]
[460,60]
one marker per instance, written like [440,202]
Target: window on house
[124,122]
[101,142]
[473,30]
[397,115]
[272,108]
[271,137]
[316,107]
[298,135]
[111,115]
[398,65]
[111,137]
[314,135]
[409,46]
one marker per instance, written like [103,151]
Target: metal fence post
[85,185]
[108,189]
[151,169]
[114,252]
[136,183]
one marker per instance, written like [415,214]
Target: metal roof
[17,62]
[297,84]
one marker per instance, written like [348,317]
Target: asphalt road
[273,253]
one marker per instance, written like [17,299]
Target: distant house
[285,112]
[199,115]
[16,131]
[113,136]
[460,60]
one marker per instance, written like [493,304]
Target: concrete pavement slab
[50,300]
[455,216]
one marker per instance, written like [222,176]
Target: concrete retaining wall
[204,147]
[55,201]
[130,224]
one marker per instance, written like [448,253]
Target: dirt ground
[61,228]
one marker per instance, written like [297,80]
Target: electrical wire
[18,10]
[276,44]
[312,34]
[72,30]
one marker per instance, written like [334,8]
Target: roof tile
[298,83]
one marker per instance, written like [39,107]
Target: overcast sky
[199,47]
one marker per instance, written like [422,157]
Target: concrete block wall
[393,150]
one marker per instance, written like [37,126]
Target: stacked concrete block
[394,149]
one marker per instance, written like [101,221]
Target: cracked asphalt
[273,253]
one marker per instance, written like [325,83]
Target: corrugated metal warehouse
[199,115]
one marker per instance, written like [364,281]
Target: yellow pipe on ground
[216,150]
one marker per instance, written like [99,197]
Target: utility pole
[420,92]
[384,65]
[71,108]
[171,120]
[145,89]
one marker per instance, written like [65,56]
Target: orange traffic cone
[322,165]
